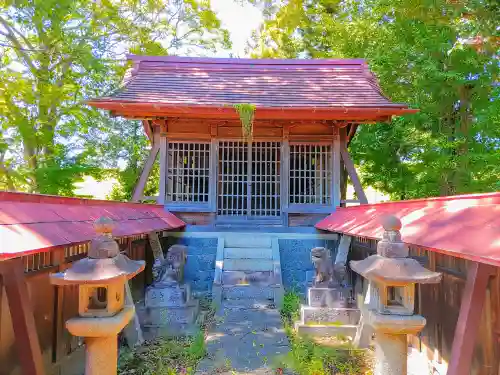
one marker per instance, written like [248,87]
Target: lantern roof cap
[394,271]
[104,263]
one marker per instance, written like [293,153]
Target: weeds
[290,311]
[307,357]
[164,357]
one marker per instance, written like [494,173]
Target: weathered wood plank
[57,344]
[336,168]
[351,170]
[139,188]
[469,318]
[23,321]
[163,171]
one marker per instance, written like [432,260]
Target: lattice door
[249,179]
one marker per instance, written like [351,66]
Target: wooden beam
[23,321]
[469,318]
[351,170]
[336,168]
[163,171]
[139,188]
[58,333]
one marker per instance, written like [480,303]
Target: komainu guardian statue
[323,267]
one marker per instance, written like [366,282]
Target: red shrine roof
[31,223]
[466,226]
[171,85]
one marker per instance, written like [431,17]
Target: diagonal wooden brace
[469,318]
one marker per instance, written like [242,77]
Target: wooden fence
[53,306]
[440,305]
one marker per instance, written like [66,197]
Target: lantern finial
[391,223]
[104,225]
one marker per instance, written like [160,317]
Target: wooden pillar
[162,191]
[469,318]
[351,170]
[57,342]
[143,179]
[336,168]
[23,321]
[285,174]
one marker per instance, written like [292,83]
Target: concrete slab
[257,278]
[248,292]
[248,253]
[246,240]
[246,304]
[248,265]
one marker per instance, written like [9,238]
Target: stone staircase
[248,271]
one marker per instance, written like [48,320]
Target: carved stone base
[322,315]
[329,297]
[167,295]
[165,316]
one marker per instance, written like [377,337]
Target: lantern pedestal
[101,340]
[391,344]
[102,306]
[392,277]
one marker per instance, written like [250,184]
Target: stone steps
[248,264]
[248,253]
[255,278]
[240,240]
[248,304]
[248,292]
[248,271]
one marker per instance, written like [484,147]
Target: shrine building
[290,173]
[250,203]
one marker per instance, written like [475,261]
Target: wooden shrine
[289,173]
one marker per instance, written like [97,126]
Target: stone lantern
[102,307]
[393,276]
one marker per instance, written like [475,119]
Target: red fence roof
[31,223]
[466,226]
[159,83]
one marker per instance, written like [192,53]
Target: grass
[166,356]
[169,356]
[308,357]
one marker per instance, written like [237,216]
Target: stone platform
[329,312]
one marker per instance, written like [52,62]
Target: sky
[240,19]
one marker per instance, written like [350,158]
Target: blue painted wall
[200,265]
[295,257]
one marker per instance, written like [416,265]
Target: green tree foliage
[55,55]
[440,56]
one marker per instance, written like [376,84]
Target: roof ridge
[243,61]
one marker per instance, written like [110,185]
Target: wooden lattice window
[249,179]
[310,174]
[188,171]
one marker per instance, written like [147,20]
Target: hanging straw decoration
[246,113]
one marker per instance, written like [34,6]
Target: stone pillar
[101,355]
[390,354]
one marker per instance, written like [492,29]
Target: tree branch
[10,36]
